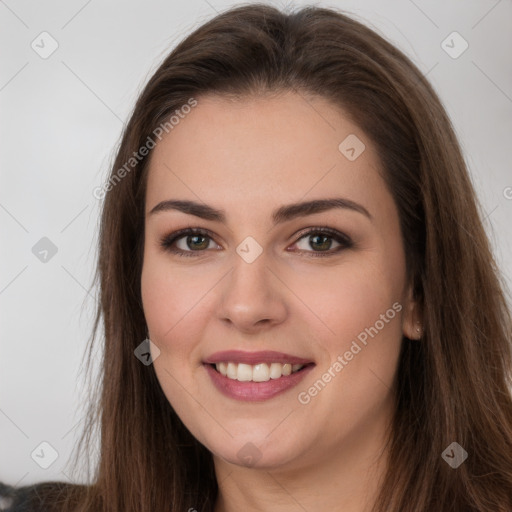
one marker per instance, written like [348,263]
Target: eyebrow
[282,214]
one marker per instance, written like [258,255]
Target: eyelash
[167,241]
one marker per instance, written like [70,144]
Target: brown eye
[186,242]
[320,240]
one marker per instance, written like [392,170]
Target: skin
[249,158]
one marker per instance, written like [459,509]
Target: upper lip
[267,356]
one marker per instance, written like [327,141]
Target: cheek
[166,293]
[359,305]
[174,301]
[349,299]
[362,308]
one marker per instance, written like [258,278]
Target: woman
[290,221]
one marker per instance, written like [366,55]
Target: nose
[253,297]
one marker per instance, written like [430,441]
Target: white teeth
[276,370]
[257,373]
[260,372]
[232,371]
[244,372]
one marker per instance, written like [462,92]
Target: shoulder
[37,497]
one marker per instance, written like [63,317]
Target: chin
[252,451]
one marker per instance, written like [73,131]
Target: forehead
[283,146]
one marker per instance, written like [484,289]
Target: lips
[235,379]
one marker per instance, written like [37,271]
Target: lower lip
[255,391]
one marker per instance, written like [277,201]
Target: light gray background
[61,120]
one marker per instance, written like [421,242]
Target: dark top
[26,498]
[14,498]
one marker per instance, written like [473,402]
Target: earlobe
[412,327]
[418,331]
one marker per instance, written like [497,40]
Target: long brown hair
[452,386]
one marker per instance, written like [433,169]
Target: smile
[255,376]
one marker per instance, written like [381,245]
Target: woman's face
[263,280]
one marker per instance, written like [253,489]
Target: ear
[412,322]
